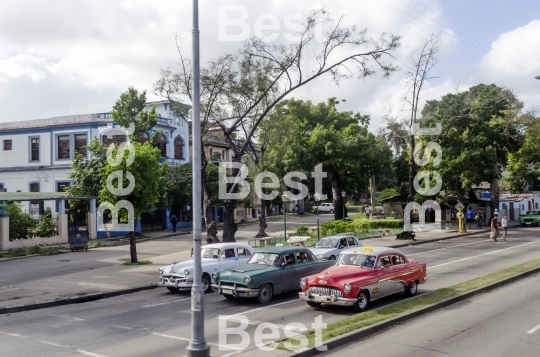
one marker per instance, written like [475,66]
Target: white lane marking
[479,255]
[124,327]
[269,306]
[67,317]
[53,344]
[238,318]
[534,329]
[168,302]
[208,343]
[454,246]
[232,354]
[11,334]
[90,353]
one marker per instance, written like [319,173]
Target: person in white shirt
[504,225]
[368,211]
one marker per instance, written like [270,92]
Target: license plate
[227,291]
[528,224]
[320,298]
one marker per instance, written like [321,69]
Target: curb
[73,300]
[354,336]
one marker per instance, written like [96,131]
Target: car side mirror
[284,264]
[222,257]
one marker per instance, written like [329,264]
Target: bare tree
[240,90]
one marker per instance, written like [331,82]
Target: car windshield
[265,259]
[362,260]
[210,253]
[327,243]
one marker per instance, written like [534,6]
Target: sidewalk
[118,279]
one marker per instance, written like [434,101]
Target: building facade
[36,155]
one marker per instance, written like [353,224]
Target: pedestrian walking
[470,216]
[174,220]
[479,217]
[504,225]
[368,212]
[495,226]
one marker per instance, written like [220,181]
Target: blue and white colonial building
[35,155]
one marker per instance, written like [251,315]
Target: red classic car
[361,275]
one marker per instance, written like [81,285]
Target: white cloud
[22,66]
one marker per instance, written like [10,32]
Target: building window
[34,187]
[114,137]
[63,146]
[80,144]
[178,148]
[7,145]
[144,138]
[34,149]
[162,146]
[1,187]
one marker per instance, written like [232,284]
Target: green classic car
[531,218]
[270,271]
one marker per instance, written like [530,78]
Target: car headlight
[302,283]
[214,276]
[247,280]
[347,288]
[186,271]
[320,256]
[160,271]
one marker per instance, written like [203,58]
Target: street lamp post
[197,344]
[317,198]
[285,200]
[343,195]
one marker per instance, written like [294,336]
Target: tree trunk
[132,247]
[412,172]
[372,190]
[229,225]
[339,212]
[262,221]
[494,192]
[211,229]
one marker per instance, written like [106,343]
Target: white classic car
[214,258]
[330,247]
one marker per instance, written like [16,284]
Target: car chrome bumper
[183,284]
[236,291]
[328,300]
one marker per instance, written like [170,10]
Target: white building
[35,155]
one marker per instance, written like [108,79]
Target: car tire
[537,225]
[228,297]
[331,211]
[265,294]
[173,290]
[332,257]
[313,304]
[206,283]
[412,289]
[362,303]
[524,225]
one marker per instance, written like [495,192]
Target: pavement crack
[529,342]
[414,346]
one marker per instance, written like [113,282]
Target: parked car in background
[362,275]
[326,207]
[330,247]
[214,258]
[531,218]
[270,271]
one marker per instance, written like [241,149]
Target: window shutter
[63,147]
[80,144]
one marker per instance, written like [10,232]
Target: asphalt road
[157,323]
[505,323]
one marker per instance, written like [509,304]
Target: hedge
[359,226]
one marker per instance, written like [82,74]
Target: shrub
[359,226]
[47,227]
[20,223]
[302,230]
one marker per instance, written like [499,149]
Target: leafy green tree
[524,165]
[482,126]
[21,223]
[388,192]
[146,179]
[129,110]
[320,134]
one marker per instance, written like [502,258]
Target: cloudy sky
[62,57]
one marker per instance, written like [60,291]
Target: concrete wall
[6,244]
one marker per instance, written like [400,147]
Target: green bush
[302,230]
[47,227]
[20,223]
[359,226]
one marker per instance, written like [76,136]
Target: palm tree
[396,136]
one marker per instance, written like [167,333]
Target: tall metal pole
[318,234]
[197,345]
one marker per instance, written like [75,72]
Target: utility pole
[197,344]
[372,193]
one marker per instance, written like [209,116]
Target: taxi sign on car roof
[367,249]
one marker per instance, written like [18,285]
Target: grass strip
[140,262]
[361,320]
[31,251]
